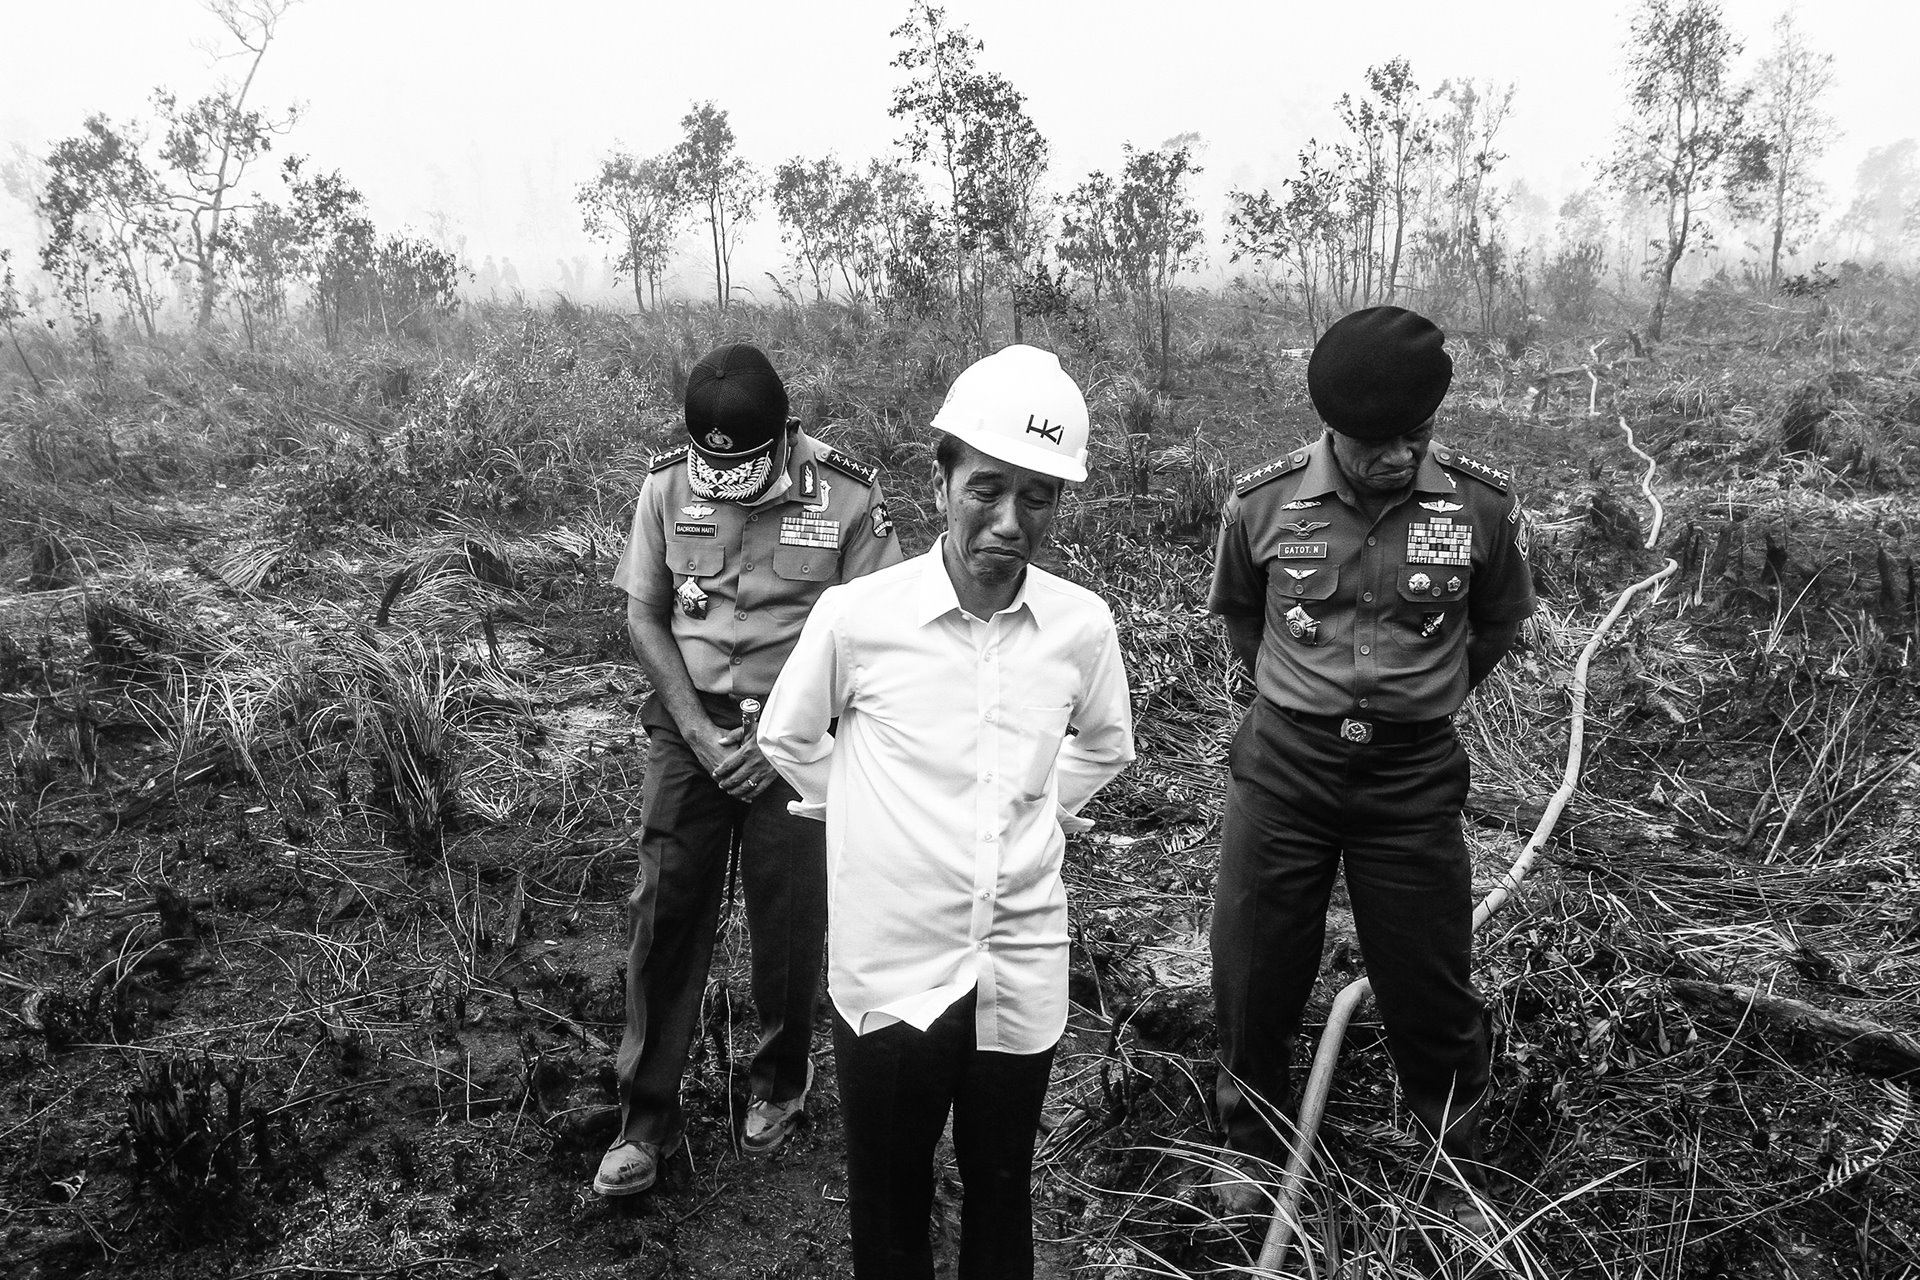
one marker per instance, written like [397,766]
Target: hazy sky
[491,114]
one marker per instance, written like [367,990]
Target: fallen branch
[1880,1049]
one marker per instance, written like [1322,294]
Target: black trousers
[896,1087]
[1298,801]
[689,825]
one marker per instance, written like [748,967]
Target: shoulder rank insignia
[1493,476]
[1247,481]
[661,461]
[858,470]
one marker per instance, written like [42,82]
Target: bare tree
[1002,159]
[1157,233]
[106,217]
[637,204]
[1786,96]
[211,142]
[935,103]
[1685,143]
[715,176]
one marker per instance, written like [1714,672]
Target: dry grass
[425,714]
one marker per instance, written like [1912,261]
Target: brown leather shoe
[630,1167]
[1241,1188]
[768,1123]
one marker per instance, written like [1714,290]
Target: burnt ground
[312,957]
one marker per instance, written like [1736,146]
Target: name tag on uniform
[1302,551]
[1439,541]
[682,529]
[809,531]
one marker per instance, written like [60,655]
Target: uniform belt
[1378,732]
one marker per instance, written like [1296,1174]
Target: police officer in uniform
[733,539]
[1369,581]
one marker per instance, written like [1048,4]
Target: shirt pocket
[806,564]
[695,559]
[1432,596]
[1038,733]
[1307,617]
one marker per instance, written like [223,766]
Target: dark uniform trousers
[1300,798]
[689,825]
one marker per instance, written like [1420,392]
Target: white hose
[1313,1102]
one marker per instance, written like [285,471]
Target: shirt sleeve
[642,572]
[795,724]
[872,544]
[1503,586]
[1239,585]
[1102,744]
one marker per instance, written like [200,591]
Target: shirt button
[751,519]
[985,894]
[1367,596]
[1366,648]
[986,777]
[806,566]
[983,945]
[988,655]
[992,717]
[689,562]
[749,569]
[741,614]
[1370,542]
[1364,702]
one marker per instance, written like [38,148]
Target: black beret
[1378,373]
[736,404]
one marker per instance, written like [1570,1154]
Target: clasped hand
[735,762]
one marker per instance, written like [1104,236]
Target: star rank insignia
[1439,541]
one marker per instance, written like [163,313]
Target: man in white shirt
[980,702]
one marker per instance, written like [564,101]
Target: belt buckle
[1359,731]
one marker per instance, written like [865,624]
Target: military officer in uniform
[1369,581]
[734,537]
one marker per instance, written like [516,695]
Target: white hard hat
[1019,406]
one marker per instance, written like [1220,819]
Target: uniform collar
[1323,475]
[936,598]
[800,482]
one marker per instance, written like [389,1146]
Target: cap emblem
[719,441]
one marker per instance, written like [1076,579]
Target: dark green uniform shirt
[1370,617]
[740,581]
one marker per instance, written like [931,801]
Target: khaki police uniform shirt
[752,573]
[1370,617]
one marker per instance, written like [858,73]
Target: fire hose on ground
[1293,1184]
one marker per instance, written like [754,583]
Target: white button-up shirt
[963,745]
